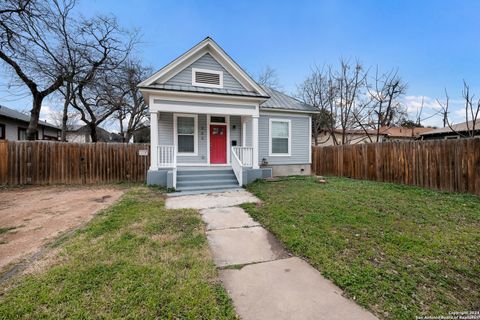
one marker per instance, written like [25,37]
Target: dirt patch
[33,217]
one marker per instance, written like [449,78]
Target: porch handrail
[167,156]
[237,167]
[244,154]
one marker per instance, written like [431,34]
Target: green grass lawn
[400,251]
[135,260]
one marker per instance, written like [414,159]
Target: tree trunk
[65,114]
[93,132]
[32,130]
[127,136]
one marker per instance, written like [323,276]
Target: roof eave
[145,89]
[289,110]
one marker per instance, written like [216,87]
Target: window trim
[195,134]
[207,85]
[3,131]
[19,129]
[270,153]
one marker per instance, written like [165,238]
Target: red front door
[218,143]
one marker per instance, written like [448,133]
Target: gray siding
[184,77]
[299,144]
[248,135]
[299,135]
[165,136]
[236,134]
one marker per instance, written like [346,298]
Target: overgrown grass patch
[400,251]
[135,260]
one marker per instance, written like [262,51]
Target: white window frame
[195,83]
[270,153]
[195,134]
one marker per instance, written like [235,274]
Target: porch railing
[167,156]
[237,167]
[245,155]
[241,157]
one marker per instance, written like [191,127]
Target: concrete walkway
[262,279]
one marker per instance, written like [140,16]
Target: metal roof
[279,100]
[14,114]
[460,127]
[186,88]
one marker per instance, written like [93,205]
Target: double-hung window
[186,134]
[280,137]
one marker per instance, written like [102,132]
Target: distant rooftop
[17,115]
[459,127]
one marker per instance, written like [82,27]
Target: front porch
[193,152]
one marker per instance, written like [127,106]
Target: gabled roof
[280,101]
[208,45]
[16,115]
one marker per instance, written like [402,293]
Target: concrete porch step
[196,171]
[226,186]
[206,183]
[205,176]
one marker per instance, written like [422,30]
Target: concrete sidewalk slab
[224,218]
[210,200]
[288,289]
[244,245]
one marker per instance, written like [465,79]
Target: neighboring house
[207,113]
[352,136]
[403,133]
[14,124]
[460,130]
[81,134]
[360,136]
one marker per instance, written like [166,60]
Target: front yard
[400,251]
[135,260]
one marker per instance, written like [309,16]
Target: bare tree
[97,91]
[34,44]
[346,105]
[315,91]
[57,118]
[472,112]
[268,77]
[385,92]
[132,116]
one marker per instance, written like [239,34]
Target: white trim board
[226,123]
[270,137]
[195,134]
[207,85]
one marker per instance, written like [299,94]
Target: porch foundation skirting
[250,175]
[160,177]
[279,170]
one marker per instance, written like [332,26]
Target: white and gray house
[213,127]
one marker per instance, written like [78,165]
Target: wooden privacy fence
[44,162]
[449,165]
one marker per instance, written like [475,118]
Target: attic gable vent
[207,78]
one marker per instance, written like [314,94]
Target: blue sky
[434,44]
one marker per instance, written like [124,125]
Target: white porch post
[153,140]
[255,141]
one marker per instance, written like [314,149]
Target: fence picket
[449,165]
[48,162]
